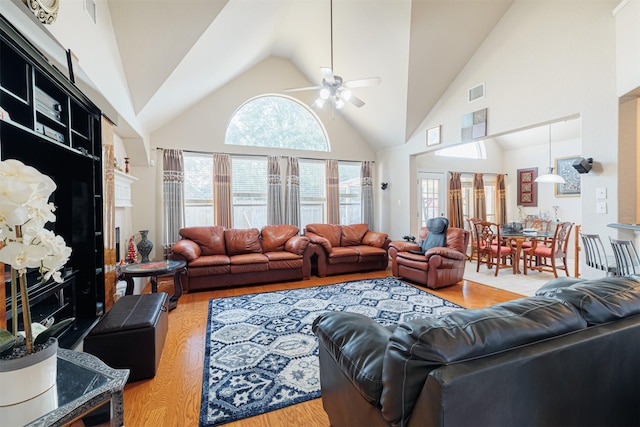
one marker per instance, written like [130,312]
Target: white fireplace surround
[123,219]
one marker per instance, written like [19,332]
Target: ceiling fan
[333,87]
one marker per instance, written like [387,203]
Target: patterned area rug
[261,354]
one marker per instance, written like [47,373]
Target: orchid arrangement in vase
[26,243]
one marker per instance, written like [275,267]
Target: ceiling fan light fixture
[319,102]
[339,103]
[325,93]
[345,94]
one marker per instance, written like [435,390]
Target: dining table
[519,237]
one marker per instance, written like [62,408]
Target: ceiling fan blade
[298,89]
[356,101]
[327,74]
[371,81]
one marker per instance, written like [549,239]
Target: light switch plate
[601,207]
[601,193]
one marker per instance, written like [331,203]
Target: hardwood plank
[172,398]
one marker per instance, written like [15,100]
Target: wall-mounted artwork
[474,125]
[527,187]
[571,186]
[433,136]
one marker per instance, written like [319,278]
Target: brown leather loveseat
[217,257]
[438,267]
[347,248]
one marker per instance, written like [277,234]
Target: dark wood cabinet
[51,125]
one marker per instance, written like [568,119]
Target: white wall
[545,60]
[627,16]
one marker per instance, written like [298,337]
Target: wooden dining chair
[492,249]
[473,241]
[595,255]
[627,262]
[547,252]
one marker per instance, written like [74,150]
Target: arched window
[276,121]
[470,150]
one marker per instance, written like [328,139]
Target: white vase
[29,376]
[23,413]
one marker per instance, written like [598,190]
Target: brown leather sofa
[217,257]
[342,249]
[568,356]
[438,267]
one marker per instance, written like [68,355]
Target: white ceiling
[176,52]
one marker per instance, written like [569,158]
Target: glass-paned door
[431,196]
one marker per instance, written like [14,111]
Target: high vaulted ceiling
[176,52]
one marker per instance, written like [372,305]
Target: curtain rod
[483,173]
[261,155]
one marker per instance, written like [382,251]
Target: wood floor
[172,398]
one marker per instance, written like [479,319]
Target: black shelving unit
[51,125]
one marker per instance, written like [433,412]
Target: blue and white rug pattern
[261,354]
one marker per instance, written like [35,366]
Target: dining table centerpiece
[28,358]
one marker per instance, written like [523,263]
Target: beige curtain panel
[366,193]
[479,200]
[292,193]
[172,196]
[333,192]
[456,217]
[222,190]
[501,200]
[274,191]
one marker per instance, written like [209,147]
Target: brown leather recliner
[436,268]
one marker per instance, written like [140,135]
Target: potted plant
[26,243]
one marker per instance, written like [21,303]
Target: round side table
[153,269]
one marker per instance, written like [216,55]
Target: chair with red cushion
[548,252]
[474,239]
[492,248]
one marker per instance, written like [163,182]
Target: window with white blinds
[198,189]
[313,196]
[249,188]
[350,209]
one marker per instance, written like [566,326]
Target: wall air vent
[90,7]
[476,92]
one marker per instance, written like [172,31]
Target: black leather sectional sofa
[569,356]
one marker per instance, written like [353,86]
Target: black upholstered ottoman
[132,334]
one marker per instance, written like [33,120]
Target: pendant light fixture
[550,177]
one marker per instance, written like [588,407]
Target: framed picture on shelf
[564,168]
[433,136]
[527,187]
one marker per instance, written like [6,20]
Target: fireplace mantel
[122,189]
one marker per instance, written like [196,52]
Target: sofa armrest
[357,344]
[297,244]
[404,246]
[319,240]
[446,253]
[188,249]
[373,238]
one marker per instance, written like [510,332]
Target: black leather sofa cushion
[599,301]
[422,345]
[357,344]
